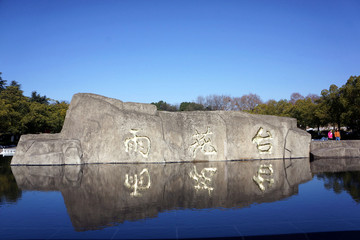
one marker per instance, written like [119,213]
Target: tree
[313,97]
[216,102]
[15,84]
[281,108]
[247,102]
[14,106]
[35,97]
[2,83]
[268,108]
[57,115]
[163,106]
[330,101]
[303,111]
[21,115]
[45,118]
[37,119]
[295,97]
[350,100]
[191,106]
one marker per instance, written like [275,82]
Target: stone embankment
[335,149]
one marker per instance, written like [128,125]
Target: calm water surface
[188,200]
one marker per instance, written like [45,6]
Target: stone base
[335,149]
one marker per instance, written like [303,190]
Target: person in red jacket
[330,135]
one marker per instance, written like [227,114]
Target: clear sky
[145,51]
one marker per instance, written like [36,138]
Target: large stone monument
[98,129]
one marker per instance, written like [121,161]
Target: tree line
[35,114]
[336,106]
[213,103]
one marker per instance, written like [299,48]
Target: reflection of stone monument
[335,165]
[99,129]
[263,176]
[138,183]
[99,195]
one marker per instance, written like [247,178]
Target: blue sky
[145,51]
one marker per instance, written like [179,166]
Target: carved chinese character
[137,143]
[203,180]
[264,174]
[138,182]
[203,143]
[262,141]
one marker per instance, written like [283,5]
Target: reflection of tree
[343,181]
[9,191]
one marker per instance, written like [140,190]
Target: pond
[295,199]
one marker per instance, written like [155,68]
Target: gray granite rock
[98,129]
[335,149]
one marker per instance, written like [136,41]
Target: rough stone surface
[99,195]
[98,129]
[335,149]
[48,149]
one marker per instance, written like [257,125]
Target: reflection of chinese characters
[203,179]
[264,171]
[138,183]
[203,143]
[137,143]
[262,141]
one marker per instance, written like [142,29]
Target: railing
[7,152]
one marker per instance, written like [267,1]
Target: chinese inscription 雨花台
[203,143]
[203,180]
[138,182]
[262,141]
[137,143]
[264,174]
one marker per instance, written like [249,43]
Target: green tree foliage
[35,97]
[303,110]
[191,106]
[15,84]
[57,115]
[281,108]
[350,99]
[336,106]
[296,97]
[330,101]
[36,120]
[20,114]
[44,118]
[2,83]
[14,106]
[163,106]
